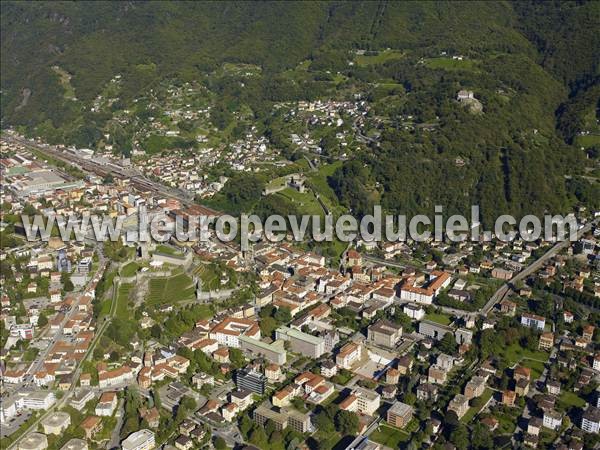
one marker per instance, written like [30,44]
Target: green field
[167,250]
[515,353]
[440,318]
[472,412]
[105,308]
[537,367]
[170,290]
[451,64]
[569,399]
[379,58]
[305,202]
[389,436]
[587,141]
[122,301]
[130,269]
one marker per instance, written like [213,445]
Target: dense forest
[533,66]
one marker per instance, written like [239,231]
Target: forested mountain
[532,65]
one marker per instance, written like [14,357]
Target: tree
[324,423]
[460,436]
[259,438]
[346,423]
[236,357]
[410,398]
[246,425]
[447,344]
[220,443]
[65,279]
[268,326]
[283,314]
[42,320]
[156,331]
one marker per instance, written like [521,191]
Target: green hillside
[533,66]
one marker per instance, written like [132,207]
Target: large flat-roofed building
[274,352]
[140,440]
[262,414]
[399,414]
[75,444]
[41,181]
[56,422]
[459,404]
[282,418]
[434,330]
[384,332]
[34,441]
[229,331]
[250,380]
[300,342]
[35,399]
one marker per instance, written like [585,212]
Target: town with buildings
[200,345]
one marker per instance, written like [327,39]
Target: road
[115,437]
[505,289]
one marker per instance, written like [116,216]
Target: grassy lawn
[276,183]
[379,58]
[122,300]
[506,422]
[306,202]
[389,436]
[105,308]
[156,143]
[452,64]
[130,269]
[440,318]
[170,290]
[570,399]
[472,412]
[342,377]
[587,141]
[515,353]
[167,250]
[537,367]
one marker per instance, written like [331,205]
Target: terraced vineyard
[170,290]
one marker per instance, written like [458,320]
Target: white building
[533,321]
[140,440]
[414,312]
[56,423]
[590,421]
[34,441]
[35,400]
[348,354]
[552,419]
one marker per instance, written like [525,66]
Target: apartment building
[399,415]
[303,343]
[383,332]
[348,354]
